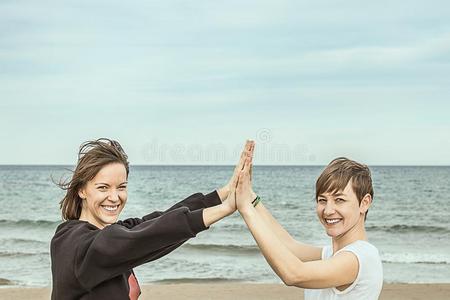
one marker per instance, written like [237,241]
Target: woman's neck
[85,217]
[357,232]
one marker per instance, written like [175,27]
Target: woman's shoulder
[363,245]
[366,253]
[72,229]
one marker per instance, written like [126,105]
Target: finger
[240,162]
[249,171]
[234,182]
[240,177]
[240,181]
[252,146]
[244,154]
[248,145]
[249,148]
[246,170]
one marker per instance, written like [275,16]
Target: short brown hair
[339,172]
[92,156]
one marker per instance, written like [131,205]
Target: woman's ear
[365,203]
[82,193]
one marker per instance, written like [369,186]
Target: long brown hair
[92,156]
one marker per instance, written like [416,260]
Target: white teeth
[110,208]
[332,221]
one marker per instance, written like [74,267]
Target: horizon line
[227,165]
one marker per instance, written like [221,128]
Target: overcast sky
[186,82]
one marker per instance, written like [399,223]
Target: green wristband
[256,201]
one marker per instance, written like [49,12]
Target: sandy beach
[243,291]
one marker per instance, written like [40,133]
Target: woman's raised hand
[229,190]
[225,191]
[244,191]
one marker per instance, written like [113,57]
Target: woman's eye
[340,200]
[322,201]
[122,188]
[102,188]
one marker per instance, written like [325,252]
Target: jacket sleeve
[104,254]
[198,200]
[193,202]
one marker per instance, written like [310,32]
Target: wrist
[227,208]
[246,210]
[223,192]
[246,206]
[256,201]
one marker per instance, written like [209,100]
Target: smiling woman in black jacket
[93,254]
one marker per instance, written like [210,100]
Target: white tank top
[368,282]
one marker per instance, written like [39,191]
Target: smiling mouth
[110,208]
[332,221]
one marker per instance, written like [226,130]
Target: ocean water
[408,221]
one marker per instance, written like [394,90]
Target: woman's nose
[329,208]
[113,195]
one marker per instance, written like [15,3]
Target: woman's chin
[332,232]
[108,220]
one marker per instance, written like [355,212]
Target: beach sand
[235,291]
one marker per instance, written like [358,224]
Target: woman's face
[341,212]
[104,196]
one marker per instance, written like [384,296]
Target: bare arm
[302,251]
[340,270]
[215,213]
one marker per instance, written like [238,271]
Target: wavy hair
[92,156]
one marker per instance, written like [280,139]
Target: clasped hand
[239,189]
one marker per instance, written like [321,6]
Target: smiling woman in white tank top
[350,267]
